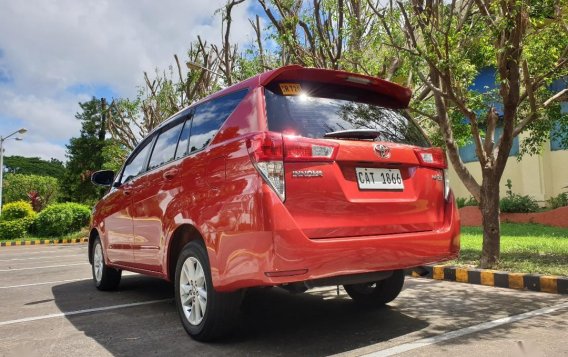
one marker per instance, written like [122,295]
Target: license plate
[379,179]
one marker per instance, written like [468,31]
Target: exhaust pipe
[421,271]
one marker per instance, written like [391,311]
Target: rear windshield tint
[312,116]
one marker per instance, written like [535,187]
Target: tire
[105,277]
[379,293]
[194,293]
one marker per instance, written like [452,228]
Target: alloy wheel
[193,291]
[98,263]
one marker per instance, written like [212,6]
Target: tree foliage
[86,153]
[34,166]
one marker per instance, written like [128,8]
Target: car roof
[399,94]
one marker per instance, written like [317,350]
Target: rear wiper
[354,134]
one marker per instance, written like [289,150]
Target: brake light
[266,147]
[298,148]
[432,157]
[435,158]
[268,152]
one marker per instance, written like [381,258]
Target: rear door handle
[170,174]
[126,192]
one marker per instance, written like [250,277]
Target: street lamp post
[2,139]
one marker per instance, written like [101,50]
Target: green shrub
[62,218]
[17,187]
[16,210]
[559,201]
[463,202]
[81,215]
[15,229]
[515,203]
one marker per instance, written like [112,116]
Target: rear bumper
[297,258]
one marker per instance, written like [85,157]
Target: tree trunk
[491,222]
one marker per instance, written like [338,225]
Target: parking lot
[49,307]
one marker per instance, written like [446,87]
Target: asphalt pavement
[50,307]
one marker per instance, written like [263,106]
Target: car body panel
[116,225]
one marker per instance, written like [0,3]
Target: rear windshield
[307,114]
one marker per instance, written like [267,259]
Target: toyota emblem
[383,151]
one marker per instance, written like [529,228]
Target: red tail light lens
[302,149]
[266,147]
[268,152]
[270,146]
[432,157]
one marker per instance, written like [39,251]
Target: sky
[57,53]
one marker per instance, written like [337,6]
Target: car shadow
[272,321]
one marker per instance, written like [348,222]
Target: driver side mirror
[103,178]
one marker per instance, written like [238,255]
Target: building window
[557,133]
[468,154]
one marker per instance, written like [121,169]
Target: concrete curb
[502,279]
[43,241]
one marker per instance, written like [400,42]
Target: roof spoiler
[401,95]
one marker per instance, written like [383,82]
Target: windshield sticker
[290,88]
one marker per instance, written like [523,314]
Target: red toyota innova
[296,178]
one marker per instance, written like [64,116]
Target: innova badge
[383,151]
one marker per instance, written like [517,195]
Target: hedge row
[62,218]
[18,219]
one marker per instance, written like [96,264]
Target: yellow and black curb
[43,241]
[535,282]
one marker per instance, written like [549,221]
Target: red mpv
[296,178]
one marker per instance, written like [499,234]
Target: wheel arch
[182,235]
[94,233]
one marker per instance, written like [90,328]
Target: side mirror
[103,178]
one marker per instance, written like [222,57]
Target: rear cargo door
[376,184]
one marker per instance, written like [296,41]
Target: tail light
[297,148]
[268,152]
[435,158]
[432,157]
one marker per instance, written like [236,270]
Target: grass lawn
[81,234]
[525,248]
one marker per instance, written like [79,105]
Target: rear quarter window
[209,117]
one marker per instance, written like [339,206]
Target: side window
[184,139]
[136,163]
[165,147]
[209,117]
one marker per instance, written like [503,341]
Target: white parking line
[45,267]
[458,333]
[36,258]
[79,312]
[44,283]
[124,274]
